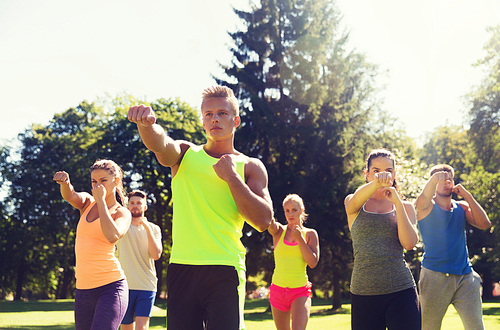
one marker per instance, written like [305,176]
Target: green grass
[58,315]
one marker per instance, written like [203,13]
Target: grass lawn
[58,315]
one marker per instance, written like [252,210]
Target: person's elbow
[312,264]
[485,225]
[113,238]
[262,226]
[410,244]
[263,221]
[409,247]
[157,254]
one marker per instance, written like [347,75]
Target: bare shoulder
[424,212]
[348,198]
[255,170]
[254,165]
[311,232]
[87,199]
[183,146]
[121,211]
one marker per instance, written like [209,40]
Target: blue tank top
[445,243]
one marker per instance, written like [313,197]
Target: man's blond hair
[221,91]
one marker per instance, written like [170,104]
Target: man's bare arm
[474,213]
[424,203]
[167,150]
[252,197]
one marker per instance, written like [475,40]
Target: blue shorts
[140,303]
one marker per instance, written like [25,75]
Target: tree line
[309,111]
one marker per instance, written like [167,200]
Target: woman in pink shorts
[295,248]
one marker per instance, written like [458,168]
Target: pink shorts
[282,298]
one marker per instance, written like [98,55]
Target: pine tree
[305,104]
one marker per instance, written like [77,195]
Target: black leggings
[394,311]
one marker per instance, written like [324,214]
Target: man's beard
[445,194]
[136,213]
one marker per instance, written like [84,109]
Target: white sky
[56,53]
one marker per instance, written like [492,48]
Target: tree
[41,227]
[483,177]
[305,102]
[38,226]
[448,145]
[484,103]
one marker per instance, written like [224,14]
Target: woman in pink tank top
[101,290]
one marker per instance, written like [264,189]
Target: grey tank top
[379,265]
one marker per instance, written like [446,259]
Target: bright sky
[56,53]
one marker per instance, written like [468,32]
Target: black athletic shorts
[202,297]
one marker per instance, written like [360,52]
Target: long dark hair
[375,153]
[116,171]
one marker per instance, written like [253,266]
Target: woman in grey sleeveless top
[383,293]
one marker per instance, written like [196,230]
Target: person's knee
[141,323]
[127,326]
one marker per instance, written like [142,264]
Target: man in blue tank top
[447,276]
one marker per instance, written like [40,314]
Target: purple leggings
[101,308]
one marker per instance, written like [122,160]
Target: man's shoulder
[423,213]
[254,166]
[186,145]
[154,225]
[251,160]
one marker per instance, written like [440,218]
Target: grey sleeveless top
[379,265]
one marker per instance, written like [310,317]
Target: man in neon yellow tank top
[215,189]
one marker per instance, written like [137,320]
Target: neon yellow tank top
[207,226]
[290,266]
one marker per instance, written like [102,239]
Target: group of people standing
[215,190]
[383,291]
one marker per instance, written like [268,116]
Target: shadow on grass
[155,321]
[329,311]
[37,306]
[491,310]
[258,310]
[161,303]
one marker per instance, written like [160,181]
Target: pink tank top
[96,263]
